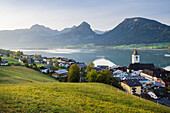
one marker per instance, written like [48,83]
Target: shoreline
[17,49]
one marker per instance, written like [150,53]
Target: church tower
[135,57]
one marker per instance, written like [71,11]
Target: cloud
[58,14]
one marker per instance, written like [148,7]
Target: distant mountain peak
[38,28]
[139,19]
[84,28]
[84,24]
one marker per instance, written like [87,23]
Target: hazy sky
[58,14]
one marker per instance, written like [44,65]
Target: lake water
[160,58]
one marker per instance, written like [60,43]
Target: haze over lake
[160,58]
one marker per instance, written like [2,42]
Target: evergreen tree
[74,73]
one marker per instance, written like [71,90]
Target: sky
[60,14]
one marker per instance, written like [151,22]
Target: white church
[137,67]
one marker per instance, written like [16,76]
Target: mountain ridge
[135,30]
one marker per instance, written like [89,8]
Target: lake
[160,58]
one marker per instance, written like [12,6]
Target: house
[49,61]
[60,73]
[152,85]
[157,74]
[152,95]
[44,59]
[20,60]
[122,68]
[38,60]
[132,86]
[27,56]
[63,60]
[4,62]
[82,65]
[44,69]
[103,67]
[70,61]
[29,60]
[120,74]
[158,93]
[141,79]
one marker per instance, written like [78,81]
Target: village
[140,79]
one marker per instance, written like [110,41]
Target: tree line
[92,75]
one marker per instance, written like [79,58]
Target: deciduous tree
[74,73]
[91,75]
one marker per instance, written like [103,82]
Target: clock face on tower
[136,58]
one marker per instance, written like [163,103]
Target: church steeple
[135,57]
[135,52]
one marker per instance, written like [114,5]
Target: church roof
[135,52]
[140,66]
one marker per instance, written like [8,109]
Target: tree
[0,59]
[106,77]
[55,60]
[10,55]
[57,65]
[74,73]
[91,76]
[25,60]
[51,63]
[34,66]
[83,73]
[90,66]
[7,54]
[18,53]
[37,56]
[100,78]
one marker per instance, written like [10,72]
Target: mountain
[65,30]
[40,29]
[82,34]
[131,31]
[35,36]
[135,31]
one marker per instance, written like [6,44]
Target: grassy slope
[72,97]
[18,74]
[11,60]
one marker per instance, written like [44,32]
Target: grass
[39,64]
[27,90]
[12,60]
[72,98]
[18,74]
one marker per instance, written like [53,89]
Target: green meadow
[12,60]
[72,98]
[19,74]
[26,90]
